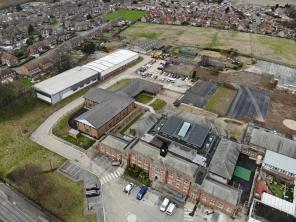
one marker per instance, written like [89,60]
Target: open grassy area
[274,48]
[17,122]
[7,3]
[24,81]
[143,98]
[158,104]
[221,101]
[119,85]
[126,14]
[61,130]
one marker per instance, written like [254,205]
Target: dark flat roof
[195,135]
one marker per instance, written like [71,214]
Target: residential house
[9,59]
[30,69]
[7,75]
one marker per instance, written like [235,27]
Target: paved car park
[169,80]
[120,207]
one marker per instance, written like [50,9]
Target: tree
[89,47]
[88,17]
[30,40]
[30,29]
[194,74]
[18,8]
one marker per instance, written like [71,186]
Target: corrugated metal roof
[75,75]
[280,161]
[65,80]
[111,60]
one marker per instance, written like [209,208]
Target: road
[14,208]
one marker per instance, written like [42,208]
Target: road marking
[117,174]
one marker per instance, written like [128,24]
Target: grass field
[119,85]
[158,104]
[16,150]
[221,101]
[6,3]
[273,48]
[143,98]
[126,14]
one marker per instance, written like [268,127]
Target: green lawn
[126,14]
[17,122]
[61,130]
[221,101]
[119,85]
[143,98]
[158,104]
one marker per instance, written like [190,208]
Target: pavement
[120,207]
[15,208]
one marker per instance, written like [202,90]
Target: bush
[138,173]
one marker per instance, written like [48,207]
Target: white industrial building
[67,83]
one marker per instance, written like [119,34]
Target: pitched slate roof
[271,141]
[222,191]
[225,158]
[108,105]
[137,86]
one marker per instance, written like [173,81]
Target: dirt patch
[291,124]
[240,77]
[283,106]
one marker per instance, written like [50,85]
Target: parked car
[128,188]
[171,209]
[164,205]
[115,162]
[92,193]
[92,187]
[142,192]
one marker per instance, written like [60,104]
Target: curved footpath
[44,137]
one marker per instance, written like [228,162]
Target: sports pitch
[242,173]
[278,49]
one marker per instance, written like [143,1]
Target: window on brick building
[212,202]
[220,206]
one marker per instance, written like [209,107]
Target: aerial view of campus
[147,111]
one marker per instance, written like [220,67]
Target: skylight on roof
[184,129]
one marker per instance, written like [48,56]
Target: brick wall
[111,152]
[139,160]
[97,133]
[214,203]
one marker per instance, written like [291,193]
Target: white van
[164,204]
[171,209]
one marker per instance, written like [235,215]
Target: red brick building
[105,110]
